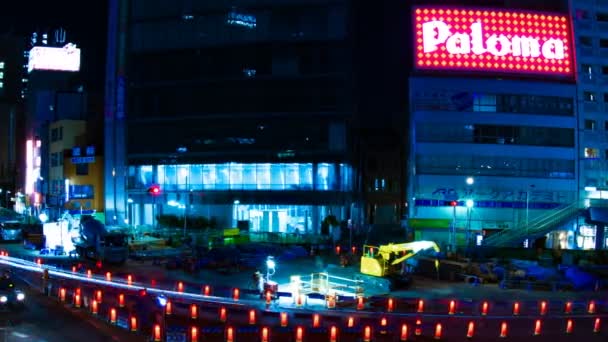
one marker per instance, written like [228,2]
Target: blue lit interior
[238,176]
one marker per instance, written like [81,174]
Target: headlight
[3,299]
[20,296]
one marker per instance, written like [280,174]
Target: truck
[94,240]
[388,261]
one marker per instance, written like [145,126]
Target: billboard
[504,41]
[65,58]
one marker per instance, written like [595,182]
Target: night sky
[85,22]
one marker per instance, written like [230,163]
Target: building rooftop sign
[65,58]
[503,41]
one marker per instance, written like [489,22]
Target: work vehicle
[387,260]
[94,240]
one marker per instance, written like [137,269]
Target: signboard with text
[48,58]
[491,40]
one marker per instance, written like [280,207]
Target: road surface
[44,319]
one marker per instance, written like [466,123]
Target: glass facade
[238,176]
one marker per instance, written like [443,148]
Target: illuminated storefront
[269,197]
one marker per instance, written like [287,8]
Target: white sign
[436,32]
[66,58]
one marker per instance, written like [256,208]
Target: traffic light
[453,203]
[154,190]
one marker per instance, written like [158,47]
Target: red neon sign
[492,40]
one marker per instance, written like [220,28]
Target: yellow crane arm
[411,249]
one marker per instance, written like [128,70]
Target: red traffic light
[154,190]
[453,203]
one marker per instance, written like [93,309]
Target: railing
[325,284]
[537,226]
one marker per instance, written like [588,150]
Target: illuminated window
[592,153]
[587,71]
[589,96]
[1,65]
[484,103]
[1,75]
[603,43]
[590,124]
[1,84]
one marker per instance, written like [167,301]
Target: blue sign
[83,160]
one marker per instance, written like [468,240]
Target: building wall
[522,156]
[258,83]
[62,137]
[94,178]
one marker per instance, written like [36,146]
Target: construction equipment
[386,260]
[97,241]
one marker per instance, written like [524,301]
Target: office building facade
[494,137]
[240,113]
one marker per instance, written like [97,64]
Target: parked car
[11,231]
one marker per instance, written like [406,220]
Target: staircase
[537,227]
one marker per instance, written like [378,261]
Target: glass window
[249,182]
[236,176]
[277,177]
[223,177]
[82,169]
[146,175]
[346,177]
[160,176]
[183,177]
[209,176]
[170,181]
[196,177]
[589,96]
[263,176]
[292,176]
[484,103]
[592,153]
[590,124]
[324,174]
[306,176]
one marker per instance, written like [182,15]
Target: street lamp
[470,204]
[270,267]
[531,186]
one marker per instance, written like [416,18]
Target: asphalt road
[44,319]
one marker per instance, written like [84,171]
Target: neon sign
[65,58]
[492,40]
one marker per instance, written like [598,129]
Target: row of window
[592,125]
[584,14]
[594,153]
[496,134]
[587,42]
[301,23]
[240,62]
[503,103]
[237,176]
[495,166]
[302,95]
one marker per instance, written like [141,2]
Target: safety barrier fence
[203,317]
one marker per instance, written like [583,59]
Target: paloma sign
[492,40]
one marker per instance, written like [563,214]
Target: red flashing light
[453,203]
[154,190]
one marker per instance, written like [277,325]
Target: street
[44,319]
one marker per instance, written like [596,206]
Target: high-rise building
[494,137]
[238,111]
[590,20]
[11,114]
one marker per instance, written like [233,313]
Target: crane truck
[386,260]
